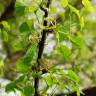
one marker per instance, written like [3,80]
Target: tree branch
[41,47]
[9,10]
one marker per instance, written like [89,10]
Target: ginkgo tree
[35,21]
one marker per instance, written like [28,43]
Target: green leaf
[24,27]
[21,79]
[49,80]
[31,52]
[27,26]
[61,84]
[81,22]
[1,63]
[79,92]
[23,65]
[22,43]
[20,7]
[28,90]
[64,51]
[20,3]
[87,5]
[5,25]
[64,3]
[5,35]
[1,67]
[20,10]
[53,10]
[77,12]
[77,41]
[73,76]
[73,9]
[1,8]
[31,25]
[34,6]
[17,46]
[10,87]
[62,33]
[31,9]
[0,31]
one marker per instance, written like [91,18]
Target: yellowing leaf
[5,25]
[81,22]
[87,5]
[1,63]
[31,9]
[64,3]
[52,10]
